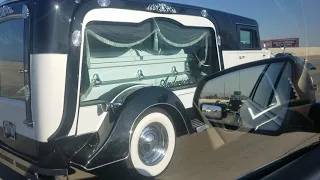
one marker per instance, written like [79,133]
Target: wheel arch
[178,119]
[116,147]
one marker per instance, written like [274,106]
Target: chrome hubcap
[153,144]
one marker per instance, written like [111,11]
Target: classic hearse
[89,83]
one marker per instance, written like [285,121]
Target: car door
[15,102]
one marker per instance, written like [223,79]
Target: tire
[159,133]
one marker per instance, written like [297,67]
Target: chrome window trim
[11,17]
[7,2]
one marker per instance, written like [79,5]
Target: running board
[198,125]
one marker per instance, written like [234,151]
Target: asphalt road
[202,156]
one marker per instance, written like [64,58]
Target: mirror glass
[257,99]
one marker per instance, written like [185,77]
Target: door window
[245,39]
[11,59]
[248,39]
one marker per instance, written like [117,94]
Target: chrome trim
[10,17]
[204,13]
[247,24]
[5,11]
[162,8]
[25,11]
[132,87]
[89,169]
[7,2]
[153,144]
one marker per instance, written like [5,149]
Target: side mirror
[256,95]
[212,111]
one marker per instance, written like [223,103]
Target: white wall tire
[148,163]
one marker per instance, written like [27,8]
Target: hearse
[91,83]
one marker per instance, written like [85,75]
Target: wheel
[153,142]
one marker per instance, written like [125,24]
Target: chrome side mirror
[212,111]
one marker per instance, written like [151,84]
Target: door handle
[241,57]
[23,71]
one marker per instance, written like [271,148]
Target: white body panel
[48,76]
[230,58]
[235,58]
[86,122]
[90,119]
[186,96]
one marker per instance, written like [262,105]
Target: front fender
[116,146]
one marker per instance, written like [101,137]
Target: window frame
[255,36]
[26,50]
[211,55]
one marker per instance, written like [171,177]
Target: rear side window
[11,59]
[248,38]
[158,52]
[245,39]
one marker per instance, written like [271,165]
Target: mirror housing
[283,48]
[212,111]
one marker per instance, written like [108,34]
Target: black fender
[116,147]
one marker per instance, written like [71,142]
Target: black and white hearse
[89,83]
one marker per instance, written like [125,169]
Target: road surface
[198,157]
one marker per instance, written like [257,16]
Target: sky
[276,18]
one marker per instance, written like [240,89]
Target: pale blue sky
[277,18]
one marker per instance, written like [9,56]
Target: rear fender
[116,146]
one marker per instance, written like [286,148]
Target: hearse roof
[61,12]
[219,15]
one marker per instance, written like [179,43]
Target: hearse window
[157,52]
[248,39]
[11,58]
